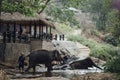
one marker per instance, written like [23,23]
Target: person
[21,60]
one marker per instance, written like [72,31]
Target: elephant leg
[49,67]
[30,66]
[28,69]
[34,68]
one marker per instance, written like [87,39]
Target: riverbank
[97,76]
[89,76]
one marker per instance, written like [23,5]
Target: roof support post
[30,29]
[50,30]
[35,31]
[50,33]
[42,31]
[20,33]
[0,25]
[14,33]
[46,29]
[40,35]
[46,34]
[8,33]
[4,37]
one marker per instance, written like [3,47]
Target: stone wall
[48,45]
[35,45]
[2,50]
[11,51]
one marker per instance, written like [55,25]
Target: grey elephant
[43,57]
[83,64]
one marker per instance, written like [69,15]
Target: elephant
[42,57]
[83,64]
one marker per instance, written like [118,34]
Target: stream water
[41,72]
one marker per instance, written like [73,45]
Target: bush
[97,49]
[95,32]
[111,40]
[113,65]
[103,50]
[77,38]
[66,27]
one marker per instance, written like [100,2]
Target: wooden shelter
[17,24]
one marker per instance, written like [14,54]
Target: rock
[98,61]
[3,75]
[73,48]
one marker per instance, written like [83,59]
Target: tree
[27,7]
[0,6]
[60,11]
[99,10]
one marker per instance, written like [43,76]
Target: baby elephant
[83,64]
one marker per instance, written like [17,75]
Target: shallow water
[41,72]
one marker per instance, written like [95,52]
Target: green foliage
[100,9]
[78,38]
[106,17]
[113,25]
[61,13]
[95,32]
[72,3]
[27,7]
[97,49]
[103,50]
[113,65]
[66,27]
[111,40]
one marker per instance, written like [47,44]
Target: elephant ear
[56,54]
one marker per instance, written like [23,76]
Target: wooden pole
[50,30]
[8,33]
[0,25]
[39,30]
[14,33]
[42,31]
[20,33]
[30,29]
[0,12]
[4,37]
[46,29]
[35,31]
[0,6]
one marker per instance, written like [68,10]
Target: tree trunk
[44,6]
[0,6]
